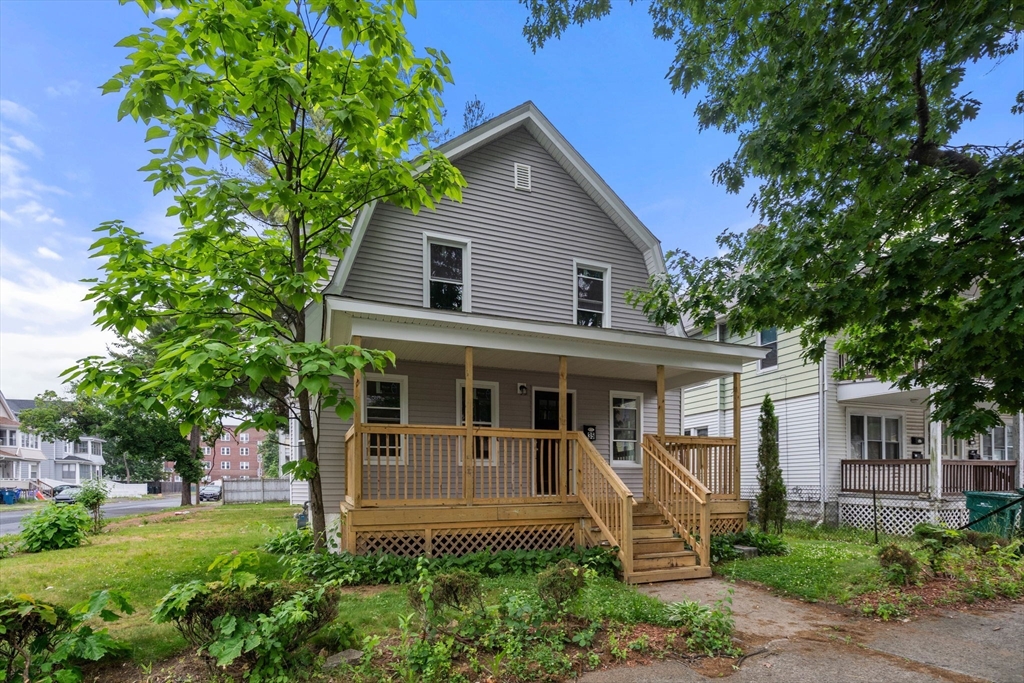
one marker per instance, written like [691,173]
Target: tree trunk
[186,486]
[127,472]
[316,493]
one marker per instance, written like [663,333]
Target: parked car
[61,487]
[209,493]
[67,494]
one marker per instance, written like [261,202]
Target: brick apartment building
[235,455]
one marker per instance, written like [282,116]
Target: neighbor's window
[243,465]
[225,450]
[243,451]
[81,447]
[769,338]
[997,443]
[592,291]
[225,464]
[626,426]
[243,437]
[207,450]
[875,437]
[207,464]
[485,412]
[721,332]
[385,404]
[696,431]
[446,269]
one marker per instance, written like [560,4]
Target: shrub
[767,545]
[44,643]
[92,497]
[55,527]
[899,566]
[290,542]
[263,625]
[560,585]
[710,627]
[431,595]
[936,540]
[771,499]
[722,549]
[353,570]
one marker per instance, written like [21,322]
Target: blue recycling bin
[9,496]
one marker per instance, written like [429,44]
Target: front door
[545,416]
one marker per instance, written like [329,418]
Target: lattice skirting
[462,541]
[900,517]
[727,525]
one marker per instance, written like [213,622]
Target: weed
[710,627]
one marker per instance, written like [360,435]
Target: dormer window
[592,303]
[446,269]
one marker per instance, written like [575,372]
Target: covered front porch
[586,450]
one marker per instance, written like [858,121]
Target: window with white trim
[225,450]
[769,338]
[225,464]
[226,436]
[243,465]
[243,451]
[207,465]
[485,412]
[244,437]
[721,332]
[592,300]
[446,268]
[696,431]
[207,450]
[385,401]
[625,421]
[875,437]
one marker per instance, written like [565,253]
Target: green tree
[270,456]
[329,96]
[877,228]
[771,495]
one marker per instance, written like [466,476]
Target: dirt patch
[169,517]
[184,669]
[915,601]
[364,591]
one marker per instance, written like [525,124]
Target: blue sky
[68,164]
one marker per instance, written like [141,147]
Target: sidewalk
[794,642]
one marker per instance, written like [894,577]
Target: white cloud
[15,112]
[24,144]
[24,199]
[45,327]
[49,253]
[64,89]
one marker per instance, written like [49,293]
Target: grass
[829,571]
[144,556]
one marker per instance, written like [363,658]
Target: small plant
[432,595]
[9,545]
[710,627]
[92,496]
[899,566]
[593,660]
[560,585]
[641,643]
[936,541]
[617,650]
[42,642]
[290,542]
[55,527]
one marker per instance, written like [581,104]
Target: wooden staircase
[659,554]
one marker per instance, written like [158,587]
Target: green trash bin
[1003,523]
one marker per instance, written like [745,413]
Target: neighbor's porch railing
[712,460]
[426,465]
[680,497]
[913,476]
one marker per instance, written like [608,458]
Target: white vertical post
[1020,449]
[935,455]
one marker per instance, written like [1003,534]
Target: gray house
[68,462]
[516,297]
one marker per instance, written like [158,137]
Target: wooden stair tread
[667,553]
[673,574]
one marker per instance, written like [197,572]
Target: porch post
[737,410]
[1020,449]
[934,455]
[469,453]
[355,473]
[661,404]
[563,425]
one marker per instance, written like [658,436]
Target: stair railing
[609,501]
[680,497]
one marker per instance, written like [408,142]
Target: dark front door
[545,416]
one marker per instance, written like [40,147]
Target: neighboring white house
[69,462]
[842,441]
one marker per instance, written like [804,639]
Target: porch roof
[426,335]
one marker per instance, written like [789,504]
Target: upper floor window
[225,450]
[446,274]
[243,451]
[244,437]
[226,436]
[8,437]
[593,295]
[29,440]
[721,332]
[225,464]
[82,447]
[769,338]
[207,450]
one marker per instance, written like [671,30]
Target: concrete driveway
[789,641]
[11,515]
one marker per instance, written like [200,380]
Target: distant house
[841,442]
[20,452]
[70,462]
[235,455]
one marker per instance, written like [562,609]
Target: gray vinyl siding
[432,395]
[522,243]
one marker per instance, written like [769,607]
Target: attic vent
[522,177]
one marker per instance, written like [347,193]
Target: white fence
[117,489]
[255,491]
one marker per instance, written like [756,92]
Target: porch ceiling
[881,393]
[441,337]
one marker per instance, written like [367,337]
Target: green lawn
[143,556]
[830,571]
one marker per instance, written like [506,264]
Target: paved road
[10,516]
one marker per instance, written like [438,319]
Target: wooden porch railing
[609,502]
[711,460]
[679,495]
[426,465]
[912,476]
[978,475]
